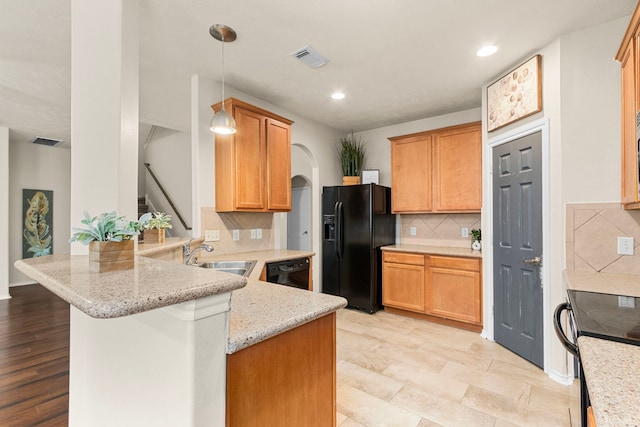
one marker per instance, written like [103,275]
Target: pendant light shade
[222,123]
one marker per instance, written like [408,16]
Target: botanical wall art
[37,234]
[516,95]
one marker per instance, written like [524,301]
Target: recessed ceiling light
[487,50]
[337,95]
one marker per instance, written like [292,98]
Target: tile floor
[398,371]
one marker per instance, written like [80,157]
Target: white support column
[4,213]
[165,367]
[104,108]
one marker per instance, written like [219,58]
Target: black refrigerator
[357,220]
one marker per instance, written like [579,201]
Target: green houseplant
[153,226]
[476,237]
[109,238]
[351,154]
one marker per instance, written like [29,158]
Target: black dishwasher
[292,272]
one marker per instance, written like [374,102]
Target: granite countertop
[434,250]
[151,284]
[262,310]
[613,380]
[258,312]
[609,367]
[262,258]
[606,283]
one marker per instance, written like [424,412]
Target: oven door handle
[557,325]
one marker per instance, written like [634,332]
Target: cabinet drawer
[468,264]
[403,258]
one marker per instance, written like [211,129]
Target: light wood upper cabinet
[253,166]
[629,57]
[438,170]
[457,162]
[278,166]
[409,158]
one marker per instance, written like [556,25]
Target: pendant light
[222,123]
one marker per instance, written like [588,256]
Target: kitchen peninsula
[149,345]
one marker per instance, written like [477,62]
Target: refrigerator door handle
[338,217]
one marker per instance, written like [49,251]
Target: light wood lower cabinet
[454,290]
[403,281]
[435,287]
[288,380]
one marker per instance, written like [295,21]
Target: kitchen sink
[241,268]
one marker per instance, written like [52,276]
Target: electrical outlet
[258,233]
[253,233]
[625,245]
[625,301]
[465,232]
[236,235]
[412,231]
[212,235]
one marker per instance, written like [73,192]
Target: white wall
[169,155]
[378,147]
[4,213]
[591,113]
[41,168]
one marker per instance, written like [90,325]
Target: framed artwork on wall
[515,95]
[37,231]
[370,176]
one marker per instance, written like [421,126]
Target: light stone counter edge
[263,310]
[149,285]
[434,250]
[612,380]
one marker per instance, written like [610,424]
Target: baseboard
[564,379]
[24,283]
[3,297]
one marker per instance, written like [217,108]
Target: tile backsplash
[437,229]
[592,238]
[244,222]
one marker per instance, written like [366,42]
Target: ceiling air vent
[310,56]
[46,141]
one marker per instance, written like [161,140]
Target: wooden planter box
[153,236]
[111,256]
[350,180]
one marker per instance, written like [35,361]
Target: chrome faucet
[190,256]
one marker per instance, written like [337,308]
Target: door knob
[532,261]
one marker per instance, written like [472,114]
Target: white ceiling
[396,60]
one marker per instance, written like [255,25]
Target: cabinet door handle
[533,261]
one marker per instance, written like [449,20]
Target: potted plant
[109,238]
[476,237]
[351,155]
[153,226]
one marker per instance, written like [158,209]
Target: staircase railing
[173,206]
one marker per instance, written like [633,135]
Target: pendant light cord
[222,70]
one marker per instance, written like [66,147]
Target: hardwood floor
[34,358]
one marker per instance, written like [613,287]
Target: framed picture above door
[516,95]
